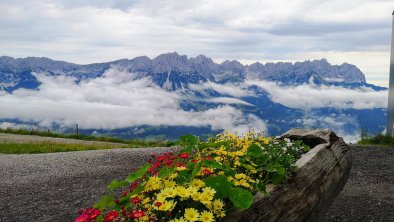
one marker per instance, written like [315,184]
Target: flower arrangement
[202,182]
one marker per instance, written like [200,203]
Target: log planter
[309,191]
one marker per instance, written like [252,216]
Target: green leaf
[248,167]
[211,164]
[164,172]
[100,218]
[106,201]
[261,186]
[115,184]
[196,169]
[138,174]
[183,176]
[137,190]
[188,139]
[241,198]
[255,150]
[124,200]
[298,142]
[220,184]
[278,178]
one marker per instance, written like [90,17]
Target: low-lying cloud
[311,96]
[114,101]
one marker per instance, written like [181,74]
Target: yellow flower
[220,213]
[240,176]
[154,183]
[169,183]
[178,220]
[168,192]
[173,175]
[205,198]
[145,200]
[193,192]
[167,205]
[206,216]
[191,214]
[209,191]
[182,192]
[197,183]
[181,168]
[217,204]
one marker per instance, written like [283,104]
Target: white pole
[390,108]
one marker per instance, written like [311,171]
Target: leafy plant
[202,182]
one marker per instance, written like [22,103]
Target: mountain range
[200,83]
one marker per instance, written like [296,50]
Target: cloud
[6,125]
[235,90]
[229,100]
[344,125]
[114,101]
[95,31]
[312,96]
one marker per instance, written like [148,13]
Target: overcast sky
[86,31]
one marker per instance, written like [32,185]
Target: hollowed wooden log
[310,190]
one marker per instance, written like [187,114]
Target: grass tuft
[380,139]
[51,147]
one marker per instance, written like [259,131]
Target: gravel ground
[51,187]
[369,193]
[15,138]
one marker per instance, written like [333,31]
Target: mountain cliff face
[205,86]
[172,71]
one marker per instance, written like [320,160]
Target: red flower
[158,204]
[117,201]
[82,218]
[94,213]
[137,214]
[124,212]
[160,158]
[135,200]
[194,161]
[111,216]
[206,171]
[134,185]
[184,155]
[123,194]
[168,163]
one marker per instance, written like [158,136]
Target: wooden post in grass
[76,127]
[390,108]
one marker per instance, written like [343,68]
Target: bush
[203,182]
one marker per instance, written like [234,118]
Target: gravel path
[15,138]
[51,187]
[369,193]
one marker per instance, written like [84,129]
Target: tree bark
[308,193]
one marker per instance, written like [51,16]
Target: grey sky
[353,31]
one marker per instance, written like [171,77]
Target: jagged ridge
[173,71]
